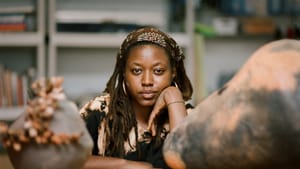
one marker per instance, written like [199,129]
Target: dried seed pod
[17,146]
[75,137]
[3,128]
[27,124]
[47,134]
[7,143]
[56,140]
[32,132]
[38,140]
[23,138]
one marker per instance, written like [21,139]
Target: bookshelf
[33,38]
[22,48]
[94,52]
[224,52]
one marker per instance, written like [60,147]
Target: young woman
[143,101]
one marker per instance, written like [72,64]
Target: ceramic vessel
[50,134]
[251,122]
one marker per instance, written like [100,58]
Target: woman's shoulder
[97,104]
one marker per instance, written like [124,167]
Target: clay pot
[252,122]
[50,134]
[50,156]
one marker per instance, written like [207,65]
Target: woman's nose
[147,79]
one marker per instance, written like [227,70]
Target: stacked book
[14,87]
[16,18]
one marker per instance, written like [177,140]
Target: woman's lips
[148,94]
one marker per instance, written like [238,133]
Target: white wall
[93,65]
[226,55]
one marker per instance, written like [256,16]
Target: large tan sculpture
[252,122]
[50,134]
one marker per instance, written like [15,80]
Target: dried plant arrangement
[49,125]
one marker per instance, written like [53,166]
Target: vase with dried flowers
[50,134]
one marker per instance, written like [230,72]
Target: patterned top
[94,112]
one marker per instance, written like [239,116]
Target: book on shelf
[25,88]
[16,17]
[14,87]
[7,88]
[13,27]
[20,91]
[15,22]
[12,18]
[13,82]
[16,8]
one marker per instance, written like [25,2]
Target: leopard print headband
[155,36]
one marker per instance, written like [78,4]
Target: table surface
[5,163]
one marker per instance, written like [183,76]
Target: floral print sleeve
[93,113]
[99,103]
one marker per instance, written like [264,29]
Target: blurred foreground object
[252,122]
[50,134]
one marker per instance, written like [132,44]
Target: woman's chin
[147,102]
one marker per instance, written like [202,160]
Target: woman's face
[147,72]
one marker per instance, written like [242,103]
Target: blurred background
[79,40]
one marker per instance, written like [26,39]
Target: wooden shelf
[5,162]
[21,39]
[104,40]
[240,37]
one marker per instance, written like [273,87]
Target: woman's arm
[171,98]
[176,106]
[99,162]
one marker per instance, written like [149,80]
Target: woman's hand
[137,165]
[99,162]
[171,98]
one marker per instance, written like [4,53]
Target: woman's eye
[159,71]
[136,71]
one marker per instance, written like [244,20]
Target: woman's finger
[150,121]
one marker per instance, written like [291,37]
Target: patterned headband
[155,36]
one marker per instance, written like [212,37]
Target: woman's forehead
[148,49]
[148,54]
